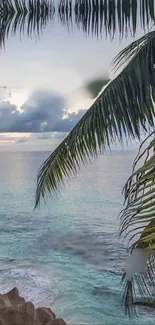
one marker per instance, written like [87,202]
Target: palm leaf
[111,16]
[19,16]
[123,108]
[138,223]
[108,17]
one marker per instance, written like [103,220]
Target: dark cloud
[43,112]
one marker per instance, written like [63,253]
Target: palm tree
[125,107]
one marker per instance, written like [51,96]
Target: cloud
[22,140]
[50,135]
[44,111]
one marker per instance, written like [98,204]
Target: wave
[11,228]
[103,290]
[100,249]
[32,281]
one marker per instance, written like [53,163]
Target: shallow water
[67,254]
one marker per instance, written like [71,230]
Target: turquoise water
[67,254]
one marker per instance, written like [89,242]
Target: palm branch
[138,223]
[108,17]
[111,16]
[20,16]
[123,108]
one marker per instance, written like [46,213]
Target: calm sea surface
[67,254]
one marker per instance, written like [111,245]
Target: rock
[15,311]
[57,321]
[28,307]
[44,315]
[10,316]
[11,298]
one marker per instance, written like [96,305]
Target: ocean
[67,254]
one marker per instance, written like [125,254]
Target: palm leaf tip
[128,296]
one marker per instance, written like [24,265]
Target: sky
[44,96]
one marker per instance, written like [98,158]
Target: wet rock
[15,311]
[44,315]
[27,307]
[57,321]
[11,298]
[10,316]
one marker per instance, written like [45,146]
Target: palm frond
[94,18]
[122,109]
[20,16]
[111,16]
[139,194]
[138,224]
